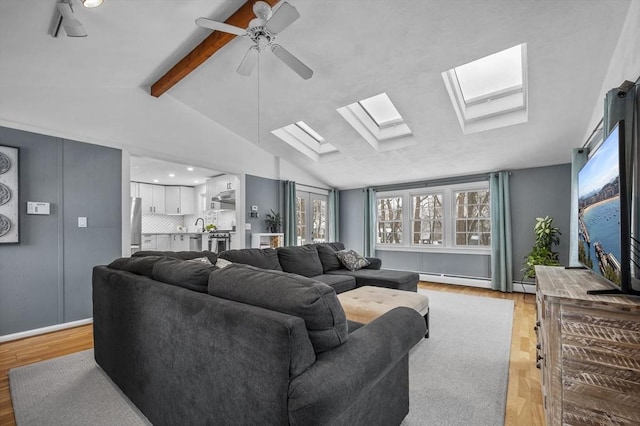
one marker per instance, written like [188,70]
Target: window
[473,222]
[389,214]
[455,217]
[311,213]
[427,219]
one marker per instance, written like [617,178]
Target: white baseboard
[518,287]
[44,330]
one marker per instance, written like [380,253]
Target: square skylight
[378,121]
[305,140]
[381,110]
[490,92]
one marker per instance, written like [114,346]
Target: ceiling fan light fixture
[91,3]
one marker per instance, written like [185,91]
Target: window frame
[449,220]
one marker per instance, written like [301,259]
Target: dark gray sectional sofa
[319,262]
[191,343]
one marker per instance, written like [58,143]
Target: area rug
[458,375]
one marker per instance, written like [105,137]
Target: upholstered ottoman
[364,304]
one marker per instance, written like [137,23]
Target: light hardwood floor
[524,395]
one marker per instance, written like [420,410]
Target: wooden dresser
[588,350]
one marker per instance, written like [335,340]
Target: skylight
[378,121]
[490,92]
[305,140]
[381,110]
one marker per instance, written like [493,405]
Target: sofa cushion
[315,302]
[352,260]
[183,255]
[301,260]
[400,280]
[260,258]
[137,265]
[183,273]
[327,254]
[340,283]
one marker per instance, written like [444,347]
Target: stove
[219,241]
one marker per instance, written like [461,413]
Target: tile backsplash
[161,223]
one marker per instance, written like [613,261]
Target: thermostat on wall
[36,207]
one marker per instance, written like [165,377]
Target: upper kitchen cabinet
[220,184]
[153,198]
[135,189]
[179,200]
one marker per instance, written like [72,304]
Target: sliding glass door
[311,212]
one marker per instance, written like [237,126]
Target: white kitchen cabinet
[153,198]
[220,184]
[179,200]
[179,242]
[163,242]
[148,242]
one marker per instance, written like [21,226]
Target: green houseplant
[542,252]
[273,221]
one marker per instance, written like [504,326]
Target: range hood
[225,197]
[225,200]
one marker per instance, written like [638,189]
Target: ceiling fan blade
[294,63]
[282,18]
[220,26]
[71,25]
[248,62]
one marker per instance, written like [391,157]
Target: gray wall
[267,195]
[45,279]
[534,192]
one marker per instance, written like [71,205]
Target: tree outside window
[427,219]
[389,220]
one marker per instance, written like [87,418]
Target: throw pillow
[221,263]
[352,260]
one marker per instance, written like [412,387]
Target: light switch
[247,226]
[82,222]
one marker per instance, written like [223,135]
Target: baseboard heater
[470,281]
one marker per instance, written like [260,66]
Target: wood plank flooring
[524,395]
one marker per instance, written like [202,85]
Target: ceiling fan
[262,31]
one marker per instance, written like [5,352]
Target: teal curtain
[290,219]
[369,222]
[334,212]
[501,253]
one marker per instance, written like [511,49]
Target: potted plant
[273,222]
[542,251]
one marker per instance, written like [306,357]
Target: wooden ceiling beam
[210,45]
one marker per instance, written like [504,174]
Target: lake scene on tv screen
[599,245]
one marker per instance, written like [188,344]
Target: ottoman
[364,304]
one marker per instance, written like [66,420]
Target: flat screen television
[605,241]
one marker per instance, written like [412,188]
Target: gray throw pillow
[352,260]
[315,302]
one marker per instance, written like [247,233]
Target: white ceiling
[152,170]
[95,89]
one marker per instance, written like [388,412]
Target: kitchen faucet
[196,224]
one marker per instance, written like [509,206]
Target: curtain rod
[436,182]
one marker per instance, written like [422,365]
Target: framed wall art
[9,212]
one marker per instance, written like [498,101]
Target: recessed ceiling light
[91,3]
[156,180]
[190,169]
[196,181]
[172,175]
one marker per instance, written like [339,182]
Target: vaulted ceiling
[96,89]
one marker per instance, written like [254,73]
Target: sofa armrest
[374,263]
[339,377]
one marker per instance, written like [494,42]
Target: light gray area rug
[457,377]
[71,390]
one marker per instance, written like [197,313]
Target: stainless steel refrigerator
[136,224]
